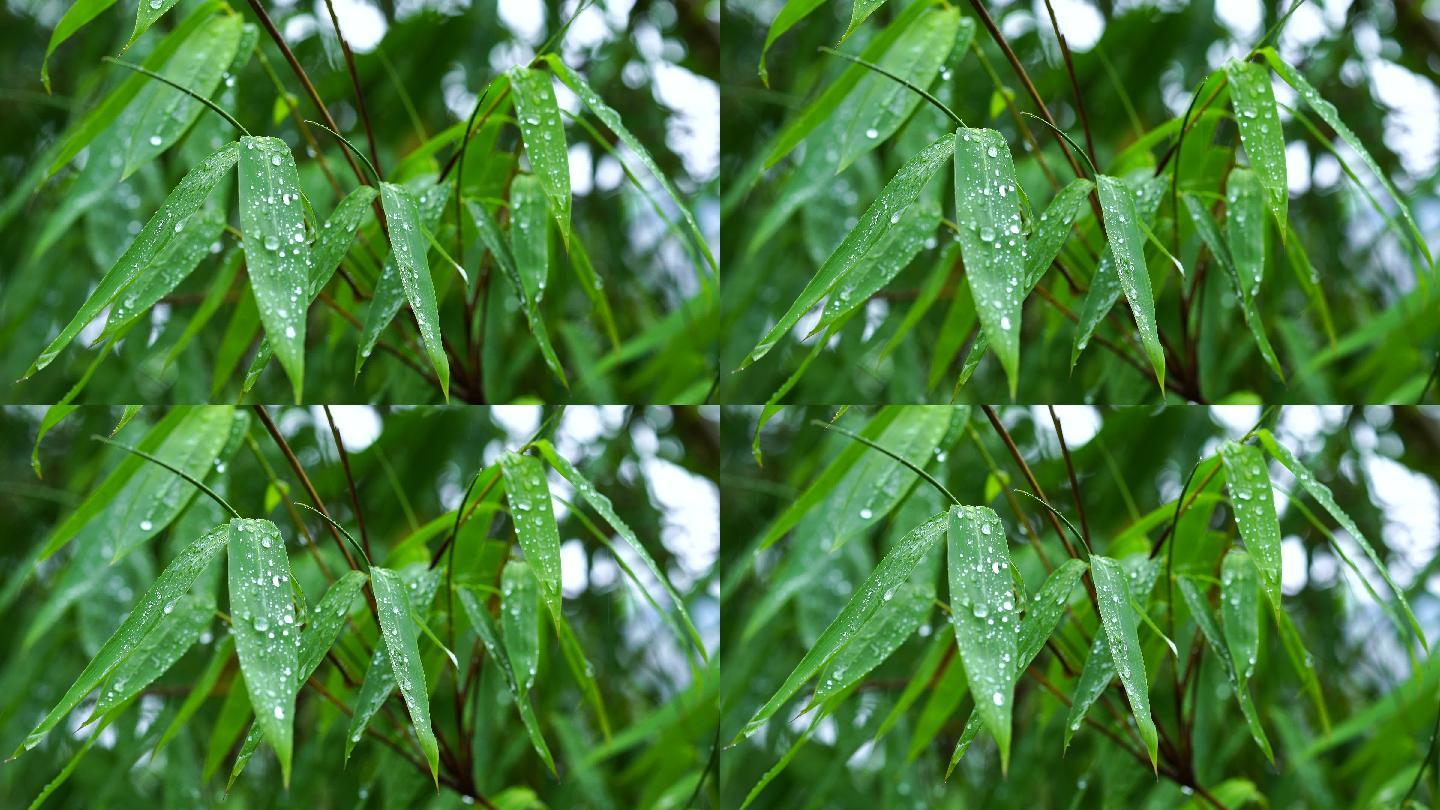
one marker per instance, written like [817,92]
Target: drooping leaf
[884,260]
[497,245]
[880,636]
[894,569]
[181,623]
[528,494]
[1118,621]
[987,203]
[379,680]
[538,114]
[185,199]
[1245,229]
[520,618]
[859,13]
[1253,503]
[79,13]
[1200,610]
[1258,118]
[390,293]
[1052,229]
[1240,611]
[883,214]
[146,13]
[196,239]
[267,639]
[407,241]
[793,12]
[172,583]
[1127,247]
[1105,286]
[529,236]
[397,627]
[484,626]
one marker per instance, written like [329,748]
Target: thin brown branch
[350,479]
[1070,468]
[359,94]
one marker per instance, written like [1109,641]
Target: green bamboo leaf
[528,494]
[883,214]
[1200,610]
[80,13]
[601,504]
[172,583]
[920,682]
[520,618]
[1210,234]
[379,679]
[1105,286]
[181,623]
[890,254]
[859,13]
[882,104]
[229,725]
[215,295]
[1323,496]
[496,243]
[185,199]
[266,636]
[146,13]
[1127,247]
[408,246]
[1117,617]
[987,203]
[1245,229]
[198,237]
[529,236]
[538,114]
[1253,503]
[984,615]
[1258,118]
[199,691]
[894,569]
[484,626]
[793,12]
[610,118]
[390,293]
[1331,116]
[53,416]
[880,636]
[398,629]
[1240,611]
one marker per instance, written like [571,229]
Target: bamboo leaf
[859,13]
[79,13]
[1253,503]
[880,636]
[181,623]
[1052,229]
[1245,229]
[408,246]
[538,115]
[499,248]
[987,203]
[146,13]
[893,570]
[172,583]
[520,618]
[984,615]
[1127,248]
[390,293]
[379,679]
[185,199]
[397,627]
[1240,611]
[1258,118]
[266,636]
[883,214]
[889,255]
[198,237]
[1105,284]
[529,236]
[528,494]
[1117,617]
[793,12]
[1200,610]
[484,626]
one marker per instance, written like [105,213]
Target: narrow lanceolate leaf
[80,13]
[906,608]
[529,236]
[147,12]
[1258,118]
[181,623]
[1099,668]
[1052,229]
[520,618]
[1253,502]
[882,104]
[185,199]
[1200,610]
[1240,611]
[1127,246]
[983,613]
[885,213]
[601,504]
[496,243]
[538,114]
[409,247]
[859,13]
[893,571]
[528,494]
[987,210]
[389,290]
[484,626]
[199,690]
[277,257]
[172,265]
[173,582]
[793,12]
[1328,113]
[1210,234]
[263,623]
[1117,617]
[1245,229]
[397,627]
[1323,496]
[1105,287]
[611,119]
[379,679]
[889,255]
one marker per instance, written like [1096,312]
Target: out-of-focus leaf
[200,690]
[1118,620]
[1258,118]
[1253,503]
[793,12]
[484,626]
[80,13]
[1200,610]
[1210,234]
[1127,247]
[263,623]
[196,239]
[538,114]
[1240,611]
[495,242]
[181,623]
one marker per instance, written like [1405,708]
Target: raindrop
[872,133]
[154,139]
[146,525]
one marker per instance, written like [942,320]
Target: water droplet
[146,525]
[872,133]
[279,713]
[274,160]
[154,139]
[998,699]
[866,514]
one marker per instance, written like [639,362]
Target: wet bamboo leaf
[894,569]
[533,514]
[1253,502]
[397,627]
[1200,610]
[793,12]
[409,248]
[529,236]
[173,582]
[538,115]
[277,255]
[80,13]
[859,13]
[390,293]
[1323,496]
[484,626]
[601,504]
[1117,617]
[198,237]
[379,679]
[1240,611]
[1105,287]
[889,255]
[147,12]
[983,613]
[181,623]
[263,623]
[497,245]
[1127,247]
[883,214]
[1245,229]
[987,203]
[184,200]
[1052,229]
[1210,234]
[880,636]
[520,618]
[1258,118]
[199,690]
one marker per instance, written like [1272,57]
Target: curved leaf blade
[528,494]
[496,243]
[1127,247]
[1253,502]
[181,623]
[389,290]
[1258,118]
[397,627]
[409,247]
[1200,610]
[538,114]
[484,626]
[1118,620]
[1240,611]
